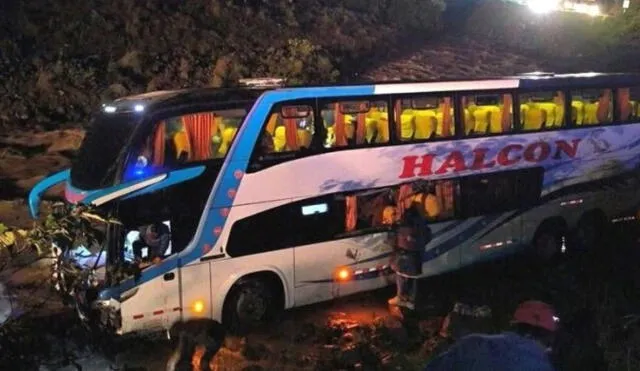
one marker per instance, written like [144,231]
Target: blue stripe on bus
[226,185]
[41,187]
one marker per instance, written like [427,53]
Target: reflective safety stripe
[156,312]
[572,202]
[497,244]
[138,316]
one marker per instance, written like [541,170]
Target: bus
[235,204]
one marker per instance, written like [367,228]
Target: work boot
[396,300]
[407,304]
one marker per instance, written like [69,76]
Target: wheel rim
[252,306]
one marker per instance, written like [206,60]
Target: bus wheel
[251,304]
[590,231]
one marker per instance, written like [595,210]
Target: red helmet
[536,313]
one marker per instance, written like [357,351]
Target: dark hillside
[59,58]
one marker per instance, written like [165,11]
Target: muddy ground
[592,290]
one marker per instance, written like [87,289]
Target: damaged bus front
[148,162]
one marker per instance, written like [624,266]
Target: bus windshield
[107,136]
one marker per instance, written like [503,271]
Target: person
[411,237]
[193,334]
[156,237]
[525,347]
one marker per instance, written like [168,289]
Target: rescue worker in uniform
[525,347]
[411,236]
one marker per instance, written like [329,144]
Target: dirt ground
[357,332]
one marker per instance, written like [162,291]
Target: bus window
[288,129]
[627,100]
[350,123]
[192,137]
[434,199]
[542,110]
[487,114]
[424,117]
[498,192]
[591,106]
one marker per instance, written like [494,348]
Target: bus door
[495,206]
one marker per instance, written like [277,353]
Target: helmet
[537,314]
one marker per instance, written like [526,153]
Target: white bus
[263,200]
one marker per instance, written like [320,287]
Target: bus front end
[145,170]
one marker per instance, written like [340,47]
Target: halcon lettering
[480,159]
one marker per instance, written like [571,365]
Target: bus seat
[304,138]
[591,113]
[534,117]
[330,140]
[279,139]
[550,112]
[383,130]
[388,215]
[407,125]
[432,206]
[469,123]
[425,123]
[481,120]
[577,112]
[227,138]
[183,147]
[371,129]
[495,119]
[634,108]
[559,116]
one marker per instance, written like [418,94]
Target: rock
[131,60]
[395,330]
[254,351]
[234,343]
[6,306]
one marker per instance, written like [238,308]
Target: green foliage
[299,61]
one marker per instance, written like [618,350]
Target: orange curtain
[603,106]
[360,128]
[158,144]
[445,108]
[199,127]
[624,103]
[273,122]
[351,213]
[290,128]
[397,114]
[404,192]
[507,103]
[340,132]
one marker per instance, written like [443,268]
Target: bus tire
[590,231]
[253,302]
[547,242]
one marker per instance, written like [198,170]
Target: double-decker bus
[238,203]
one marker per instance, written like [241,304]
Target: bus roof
[528,81]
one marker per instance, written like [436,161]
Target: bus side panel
[146,309]
[364,258]
[196,290]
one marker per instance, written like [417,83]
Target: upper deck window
[627,100]
[542,110]
[191,137]
[487,114]
[424,117]
[289,128]
[355,122]
[591,106]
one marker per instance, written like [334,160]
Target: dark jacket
[411,238]
[502,352]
